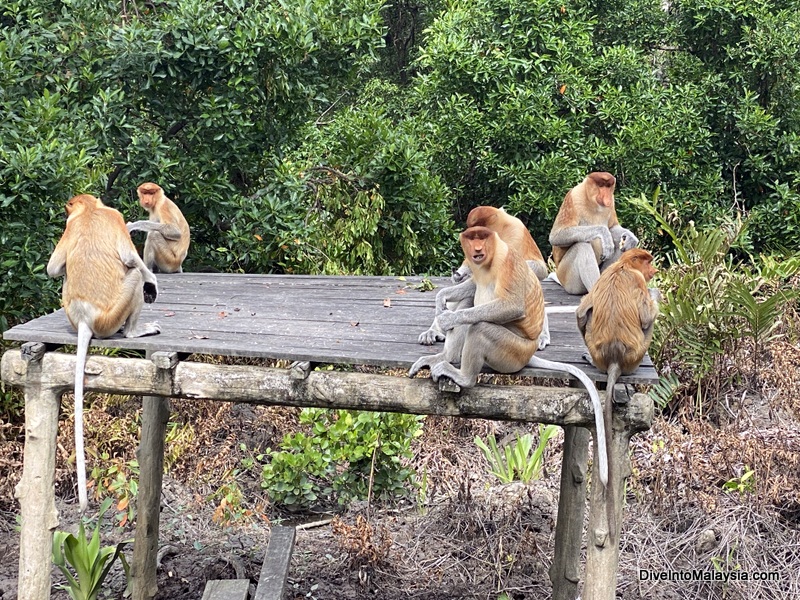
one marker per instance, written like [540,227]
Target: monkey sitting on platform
[105,286]
[167,230]
[501,325]
[586,235]
[514,233]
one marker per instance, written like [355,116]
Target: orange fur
[105,286]
[591,202]
[165,248]
[501,274]
[616,331]
[510,229]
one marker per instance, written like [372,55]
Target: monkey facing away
[105,286]
[500,326]
[167,230]
[514,233]
[586,235]
[616,319]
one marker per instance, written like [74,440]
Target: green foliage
[714,306]
[520,460]
[347,455]
[358,197]
[743,485]
[90,563]
[120,480]
[193,94]
[523,99]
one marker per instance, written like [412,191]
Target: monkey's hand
[448,319]
[655,294]
[460,274]
[421,363]
[627,241]
[607,242]
[150,292]
[432,335]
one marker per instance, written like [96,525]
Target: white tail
[602,448]
[84,338]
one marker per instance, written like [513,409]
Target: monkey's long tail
[613,372]
[602,448]
[84,338]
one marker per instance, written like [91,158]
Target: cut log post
[565,572]
[155,414]
[35,490]
[602,544]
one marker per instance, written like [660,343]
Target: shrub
[717,302]
[345,455]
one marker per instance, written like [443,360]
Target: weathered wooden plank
[323,389]
[275,568]
[340,320]
[150,454]
[226,589]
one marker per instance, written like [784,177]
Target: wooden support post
[35,490]
[602,544]
[155,414]
[300,369]
[565,572]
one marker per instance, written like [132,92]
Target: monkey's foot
[544,340]
[445,369]
[419,365]
[144,329]
[150,292]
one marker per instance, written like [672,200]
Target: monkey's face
[147,200]
[477,244]
[148,195]
[648,270]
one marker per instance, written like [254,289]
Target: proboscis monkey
[616,319]
[586,236]
[514,233]
[105,286]
[500,328]
[167,230]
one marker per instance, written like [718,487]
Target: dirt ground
[690,507]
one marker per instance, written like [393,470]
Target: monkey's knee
[578,270]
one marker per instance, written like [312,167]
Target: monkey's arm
[648,310]
[462,273]
[169,231]
[454,293]
[459,296]
[623,238]
[584,313]
[567,236]
[499,310]
[57,265]
[130,258]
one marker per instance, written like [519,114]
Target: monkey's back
[178,248]
[614,332]
[94,290]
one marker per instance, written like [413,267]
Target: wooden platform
[339,320]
